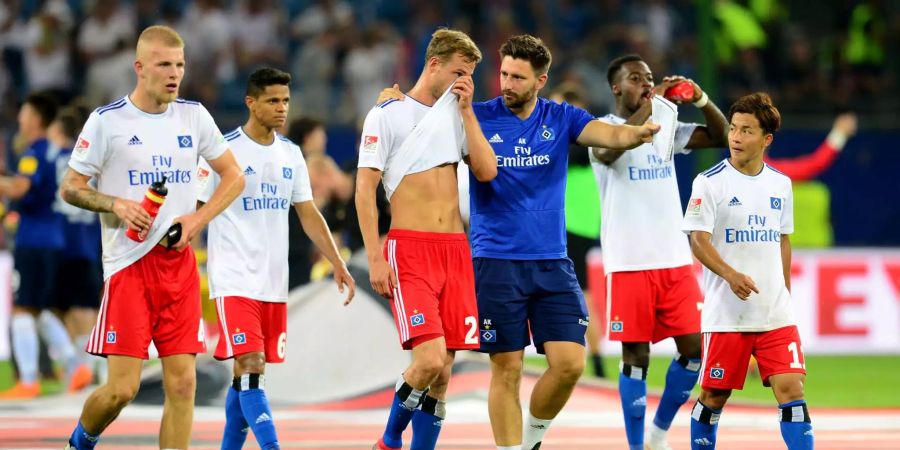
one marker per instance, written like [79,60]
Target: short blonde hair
[446,42]
[161,34]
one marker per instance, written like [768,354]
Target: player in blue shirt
[523,278]
[79,269]
[39,240]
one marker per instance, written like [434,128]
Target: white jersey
[641,208]
[248,241]
[437,135]
[747,217]
[127,149]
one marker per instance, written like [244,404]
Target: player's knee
[569,370]
[714,399]
[636,354]
[121,394]
[788,392]
[181,387]
[507,371]
[430,364]
[251,363]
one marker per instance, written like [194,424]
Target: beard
[517,101]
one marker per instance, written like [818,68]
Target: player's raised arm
[608,155]
[617,137]
[481,159]
[715,133]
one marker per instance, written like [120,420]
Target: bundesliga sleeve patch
[202,178]
[82,147]
[370,144]
[693,207]
[28,165]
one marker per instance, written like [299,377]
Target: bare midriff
[428,201]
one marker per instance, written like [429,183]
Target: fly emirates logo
[522,157]
[162,168]
[656,169]
[755,231]
[267,200]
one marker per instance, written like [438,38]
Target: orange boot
[22,391]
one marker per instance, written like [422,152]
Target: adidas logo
[640,402]
[538,426]
[135,141]
[249,171]
[496,139]
[263,418]
[703,441]
[808,433]
[734,202]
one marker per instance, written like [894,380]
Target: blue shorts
[37,277]
[514,295]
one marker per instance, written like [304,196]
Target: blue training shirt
[39,225]
[81,228]
[521,213]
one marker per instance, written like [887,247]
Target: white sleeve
[90,150]
[700,214]
[207,181]
[683,132]
[211,143]
[302,191]
[375,142]
[787,213]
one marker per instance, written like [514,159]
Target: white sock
[656,434]
[534,431]
[59,344]
[511,447]
[25,344]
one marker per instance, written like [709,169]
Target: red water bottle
[680,92]
[153,200]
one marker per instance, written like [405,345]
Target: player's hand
[391,93]
[846,124]
[132,213]
[741,285]
[191,224]
[464,88]
[647,130]
[343,278]
[382,277]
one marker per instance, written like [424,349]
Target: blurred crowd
[343,52]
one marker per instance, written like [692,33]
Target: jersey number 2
[472,335]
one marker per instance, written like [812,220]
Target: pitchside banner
[845,301]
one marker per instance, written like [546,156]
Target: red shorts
[156,298]
[248,325]
[435,292]
[651,305]
[726,356]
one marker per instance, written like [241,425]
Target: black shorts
[37,269]
[79,284]
[577,247]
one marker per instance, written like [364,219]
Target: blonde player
[151,293]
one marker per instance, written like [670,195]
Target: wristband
[704,99]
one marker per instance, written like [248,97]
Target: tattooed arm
[75,190]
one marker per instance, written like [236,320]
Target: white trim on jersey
[398,294]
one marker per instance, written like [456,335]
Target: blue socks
[235,425]
[796,427]
[633,393]
[427,422]
[406,400]
[82,440]
[255,406]
[704,424]
[680,380]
